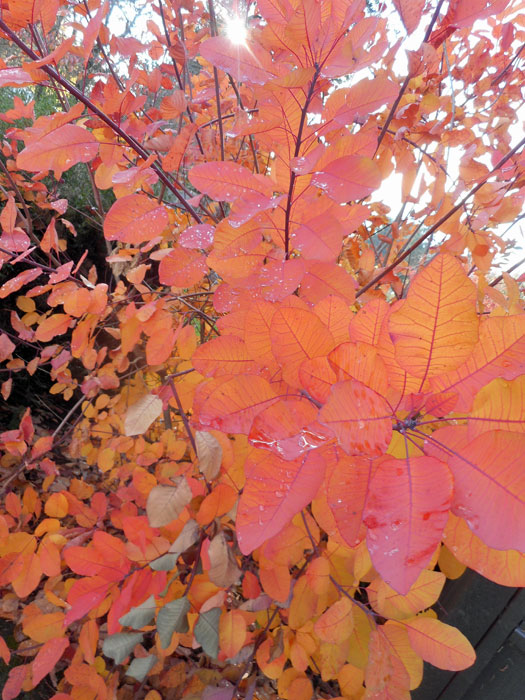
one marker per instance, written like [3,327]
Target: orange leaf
[57,324]
[173,105]
[29,578]
[506,567]
[232,632]
[5,652]
[58,150]
[423,594]
[437,326]
[42,627]
[275,491]
[217,503]
[440,644]
[500,352]
[56,506]
[297,335]
[500,405]
[226,355]
[134,219]
[160,346]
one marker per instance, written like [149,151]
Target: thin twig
[182,414]
[440,222]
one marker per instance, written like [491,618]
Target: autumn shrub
[281,410]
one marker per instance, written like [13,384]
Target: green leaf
[139,668]
[207,631]
[172,618]
[141,615]
[119,646]
[164,563]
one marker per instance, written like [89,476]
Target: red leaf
[489,492]
[319,239]
[406,512]
[231,404]
[6,347]
[245,62]
[325,278]
[13,685]
[226,181]
[84,595]
[288,428]
[275,491]
[348,178]
[410,12]
[347,489]
[365,97]
[360,418]
[47,658]
[14,284]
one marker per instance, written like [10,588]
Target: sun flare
[236,30]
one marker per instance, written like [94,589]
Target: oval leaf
[207,631]
[134,219]
[142,414]
[275,491]
[440,644]
[166,503]
[171,618]
[119,646]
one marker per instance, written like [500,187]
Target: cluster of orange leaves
[280,437]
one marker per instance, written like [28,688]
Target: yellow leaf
[440,644]
[423,593]
[335,625]
[449,565]
[437,326]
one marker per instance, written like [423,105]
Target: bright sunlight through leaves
[236,30]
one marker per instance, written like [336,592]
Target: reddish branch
[133,143]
